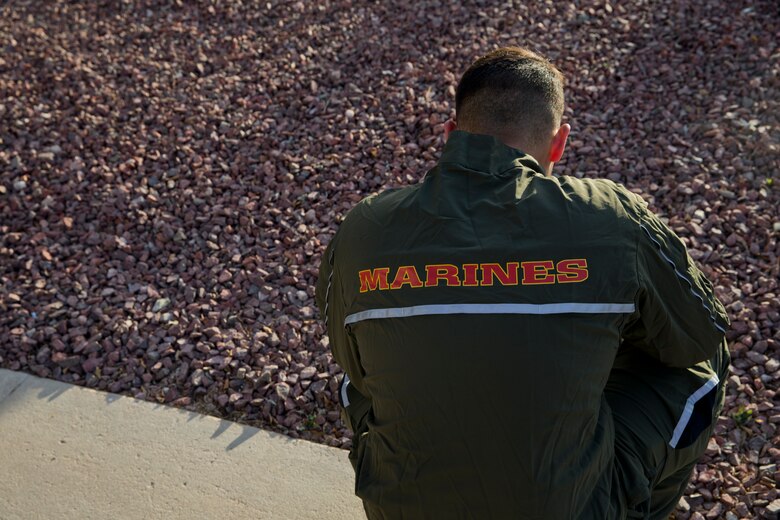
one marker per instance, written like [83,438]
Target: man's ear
[558,144]
[449,126]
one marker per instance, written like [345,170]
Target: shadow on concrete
[7,390]
[247,433]
[14,385]
[51,392]
[223,425]
[193,415]
[48,389]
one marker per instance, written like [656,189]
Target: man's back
[517,345]
[487,305]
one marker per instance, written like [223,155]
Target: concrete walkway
[68,452]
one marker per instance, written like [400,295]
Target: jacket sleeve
[330,300]
[678,319]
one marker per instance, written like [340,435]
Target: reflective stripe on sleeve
[683,277]
[344,397]
[327,291]
[688,411]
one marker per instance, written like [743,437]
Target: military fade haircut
[511,91]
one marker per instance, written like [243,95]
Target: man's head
[516,96]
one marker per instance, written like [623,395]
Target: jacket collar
[485,153]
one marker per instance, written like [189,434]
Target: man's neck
[533,151]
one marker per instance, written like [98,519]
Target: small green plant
[743,416]
[310,424]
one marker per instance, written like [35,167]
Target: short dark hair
[510,91]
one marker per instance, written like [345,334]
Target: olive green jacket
[477,316]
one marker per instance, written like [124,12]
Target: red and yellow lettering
[406,274]
[437,272]
[508,277]
[470,275]
[539,272]
[373,279]
[572,271]
[535,273]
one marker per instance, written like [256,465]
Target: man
[518,345]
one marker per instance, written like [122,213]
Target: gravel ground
[170,173]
